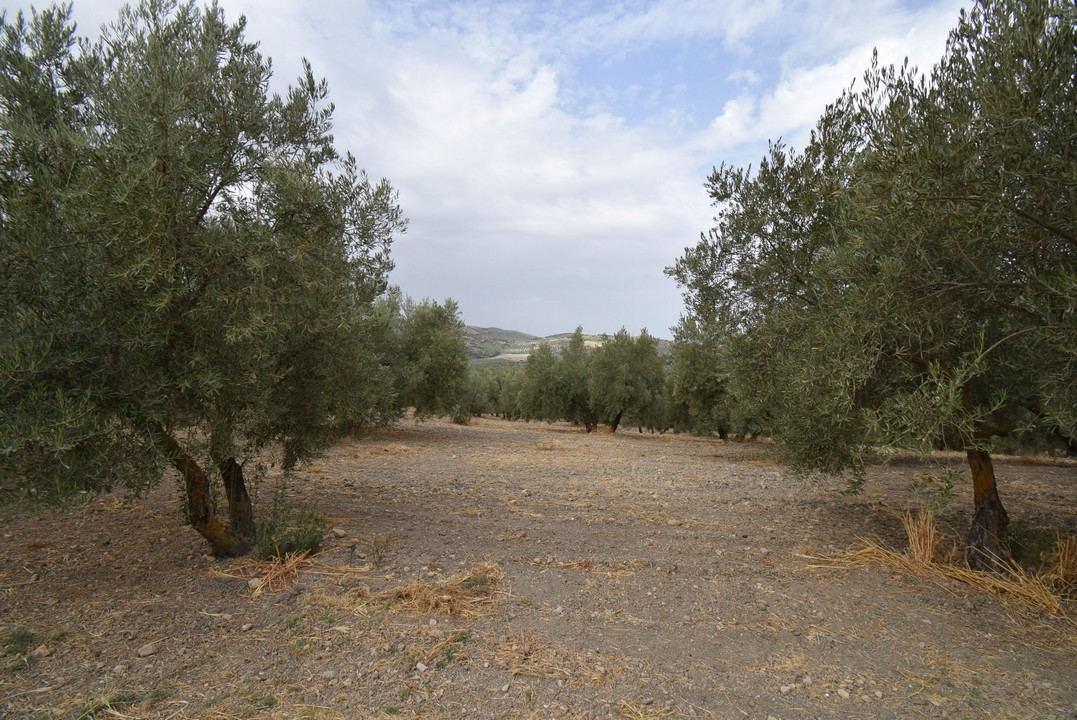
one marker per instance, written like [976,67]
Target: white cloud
[791,105]
[537,199]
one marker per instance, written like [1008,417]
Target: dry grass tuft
[271,575]
[279,573]
[1062,566]
[532,656]
[528,655]
[925,540]
[463,595]
[1023,592]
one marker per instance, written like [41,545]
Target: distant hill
[497,345]
[491,342]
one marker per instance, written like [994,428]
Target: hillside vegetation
[495,344]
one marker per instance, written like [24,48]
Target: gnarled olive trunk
[240,511]
[985,548]
[223,541]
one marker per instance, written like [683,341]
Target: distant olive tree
[505,388]
[626,378]
[434,365]
[188,263]
[699,381]
[574,371]
[542,394]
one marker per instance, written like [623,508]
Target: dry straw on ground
[463,595]
[1062,566]
[280,573]
[1024,592]
[925,541]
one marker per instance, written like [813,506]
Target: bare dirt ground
[592,576]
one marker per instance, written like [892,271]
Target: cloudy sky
[551,154]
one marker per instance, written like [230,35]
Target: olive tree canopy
[912,274]
[188,261]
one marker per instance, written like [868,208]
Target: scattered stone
[329,675]
[246,627]
[254,583]
[648,701]
[674,523]
[119,669]
[339,532]
[421,666]
[771,717]
[601,670]
[879,694]
[843,693]
[505,688]
[786,689]
[41,651]
[147,650]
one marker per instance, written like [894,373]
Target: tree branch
[1046,226]
[1050,227]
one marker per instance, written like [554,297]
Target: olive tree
[433,360]
[699,380]
[542,396]
[574,370]
[911,274]
[970,177]
[188,261]
[626,378]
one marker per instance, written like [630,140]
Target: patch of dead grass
[273,575]
[925,540]
[1022,591]
[467,594]
[533,656]
[280,573]
[1062,566]
[609,569]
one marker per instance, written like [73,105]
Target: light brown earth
[644,576]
